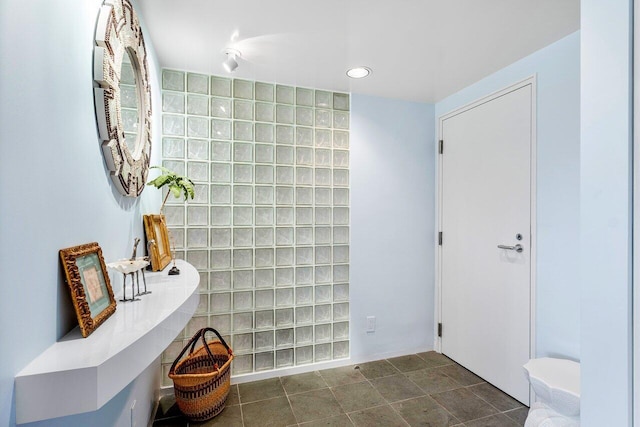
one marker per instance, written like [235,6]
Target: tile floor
[425,389]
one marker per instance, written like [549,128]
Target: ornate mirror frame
[118,33]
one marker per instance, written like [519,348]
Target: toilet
[556,383]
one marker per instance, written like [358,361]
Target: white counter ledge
[77,375]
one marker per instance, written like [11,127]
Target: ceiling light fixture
[231,63]
[358,72]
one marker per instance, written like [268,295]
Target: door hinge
[440,330]
[441,147]
[440,238]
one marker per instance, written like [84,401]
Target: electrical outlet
[371,323]
[133,414]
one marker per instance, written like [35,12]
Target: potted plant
[178,184]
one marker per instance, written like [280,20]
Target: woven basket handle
[192,344]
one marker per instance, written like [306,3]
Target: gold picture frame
[87,278]
[155,228]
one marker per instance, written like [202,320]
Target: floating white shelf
[77,375]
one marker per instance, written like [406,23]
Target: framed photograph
[91,293]
[155,228]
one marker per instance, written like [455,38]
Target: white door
[486,202]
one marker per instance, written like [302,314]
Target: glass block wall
[269,226]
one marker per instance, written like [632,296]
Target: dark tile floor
[425,389]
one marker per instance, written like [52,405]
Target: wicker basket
[201,381]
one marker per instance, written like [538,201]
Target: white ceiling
[419,50]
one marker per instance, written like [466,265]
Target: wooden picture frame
[87,278]
[155,227]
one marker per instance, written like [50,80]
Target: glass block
[340,120]
[173,80]
[304,334]
[284,94]
[220,302]
[284,277]
[341,311]
[174,165]
[198,127]
[222,323]
[220,259]
[171,102]
[243,300]
[203,286]
[323,196]
[198,105]
[285,114]
[242,152]
[284,256]
[304,136]
[304,256]
[323,274]
[220,215]
[220,280]
[304,97]
[284,195]
[176,237]
[242,258]
[242,194]
[220,172]
[242,322]
[304,196]
[242,364]
[341,350]
[341,197]
[201,193]
[323,157]
[324,99]
[340,254]
[323,118]
[284,155]
[197,215]
[304,275]
[284,216]
[198,259]
[264,236]
[264,298]
[173,147]
[264,195]
[243,131]
[172,351]
[172,125]
[284,134]
[322,313]
[264,257]
[220,86]
[221,107]
[322,332]
[341,101]
[166,381]
[264,132]
[243,279]
[323,138]
[264,278]
[175,215]
[198,171]
[197,83]
[220,151]
[243,237]
[242,343]
[129,121]
[242,173]
[340,159]
[265,112]
[264,174]
[197,238]
[340,139]
[304,156]
[264,92]
[304,176]
[304,236]
[322,352]
[323,294]
[264,361]
[242,110]
[340,235]
[264,319]
[341,216]
[323,254]
[284,317]
[242,89]
[323,216]
[220,194]
[304,116]
[304,295]
[284,337]
[341,273]
[323,177]
[284,297]
[198,149]
[304,355]
[284,358]
[264,216]
[304,216]
[220,129]
[196,323]
[304,315]
[265,340]
[284,236]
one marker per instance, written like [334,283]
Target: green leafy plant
[178,184]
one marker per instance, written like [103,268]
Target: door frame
[529,81]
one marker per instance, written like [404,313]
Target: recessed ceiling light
[231,63]
[358,72]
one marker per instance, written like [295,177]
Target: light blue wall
[392,226]
[54,188]
[606,212]
[557,68]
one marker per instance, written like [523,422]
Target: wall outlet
[133,414]
[371,323]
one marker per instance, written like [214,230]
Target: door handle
[518,248]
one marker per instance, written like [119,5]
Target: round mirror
[123,96]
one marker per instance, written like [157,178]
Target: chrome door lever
[518,248]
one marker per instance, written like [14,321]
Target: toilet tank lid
[559,374]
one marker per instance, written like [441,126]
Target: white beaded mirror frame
[118,37]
